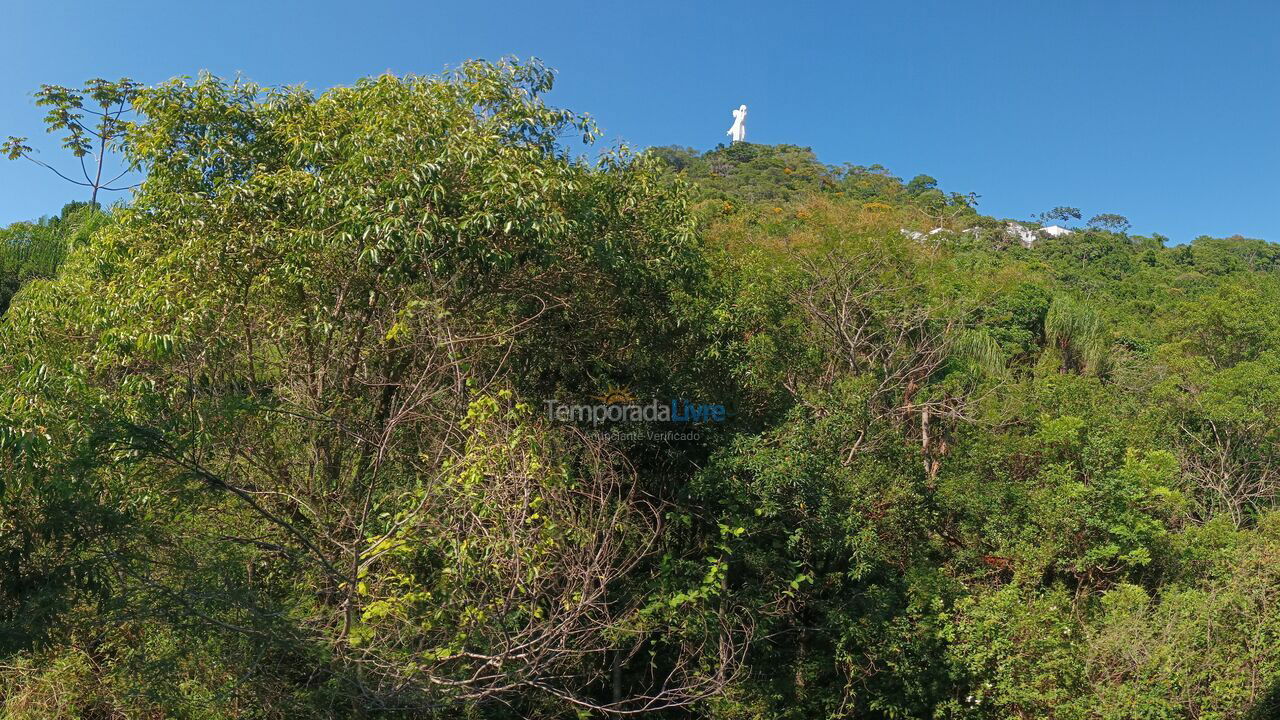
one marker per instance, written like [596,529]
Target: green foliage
[35,250]
[1062,213]
[1078,334]
[95,129]
[748,173]
[1110,221]
[272,438]
[262,411]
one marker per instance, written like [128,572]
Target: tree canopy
[275,438]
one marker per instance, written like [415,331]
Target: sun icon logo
[617,396]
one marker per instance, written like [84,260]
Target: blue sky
[1167,112]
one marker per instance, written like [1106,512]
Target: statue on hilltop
[738,133]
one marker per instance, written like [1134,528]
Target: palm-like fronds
[1079,333]
[978,352]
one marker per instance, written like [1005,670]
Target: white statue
[738,132]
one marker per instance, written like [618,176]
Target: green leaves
[95,129]
[301,365]
[271,440]
[15,147]
[1079,334]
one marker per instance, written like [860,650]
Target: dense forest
[281,432]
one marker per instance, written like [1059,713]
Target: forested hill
[379,403]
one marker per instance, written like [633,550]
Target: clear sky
[1167,112]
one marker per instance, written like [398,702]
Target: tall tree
[357,286]
[1110,221]
[95,119]
[1062,213]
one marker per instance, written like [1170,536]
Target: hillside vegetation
[278,440]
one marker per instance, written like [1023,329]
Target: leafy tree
[1110,221]
[325,427]
[109,109]
[1061,213]
[920,184]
